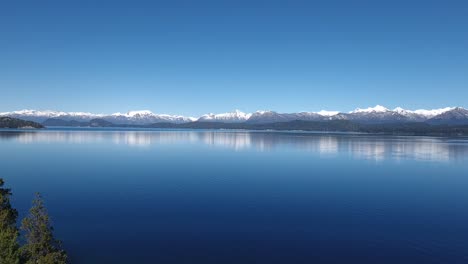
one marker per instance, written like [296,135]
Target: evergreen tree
[41,246]
[9,253]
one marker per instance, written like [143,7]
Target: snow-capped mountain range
[145,117]
[377,114]
[234,117]
[132,117]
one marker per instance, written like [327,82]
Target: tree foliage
[9,253]
[41,246]
[9,122]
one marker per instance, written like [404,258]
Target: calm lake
[168,196]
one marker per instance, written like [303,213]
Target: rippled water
[186,196]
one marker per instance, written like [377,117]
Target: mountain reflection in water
[374,147]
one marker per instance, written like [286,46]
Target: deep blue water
[244,197]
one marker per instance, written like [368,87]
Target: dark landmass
[100,123]
[9,122]
[416,128]
[405,128]
[56,122]
[64,123]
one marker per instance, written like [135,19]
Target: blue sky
[193,57]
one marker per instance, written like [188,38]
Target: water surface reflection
[357,146]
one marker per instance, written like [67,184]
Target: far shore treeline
[40,246]
[402,128]
[10,122]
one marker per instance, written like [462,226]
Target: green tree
[9,248]
[41,246]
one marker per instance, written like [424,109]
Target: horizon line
[377,108]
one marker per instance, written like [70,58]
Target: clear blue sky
[193,57]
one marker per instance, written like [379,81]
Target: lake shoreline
[221,130]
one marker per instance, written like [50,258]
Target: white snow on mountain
[433,112]
[232,117]
[372,114]
[48,113]
[134,113]
[132,117]
[402,111]
[146,117]
[376,109]
[41,116]
[327,113]
[416,115]
[268,117]
[423,112]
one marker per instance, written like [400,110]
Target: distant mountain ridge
[371,115]
[132,117]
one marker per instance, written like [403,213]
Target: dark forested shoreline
[9,122]
[404,128]
[414,128]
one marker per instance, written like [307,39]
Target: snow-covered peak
[135,113]
[40,116]
[423,112]
[131,117]
[146,117]
[433,112]
[47,113]
[262,112]
[328,113]
[140,113]
[376,109]
[405,112]
[236,116]
[30,112]
[143,117]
